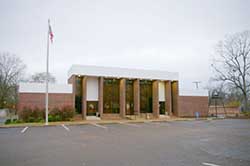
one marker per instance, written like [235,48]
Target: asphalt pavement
[180,143]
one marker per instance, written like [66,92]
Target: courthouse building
[109,92]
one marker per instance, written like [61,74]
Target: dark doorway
[162,108]
[146,96]
[129,98]
[92,108]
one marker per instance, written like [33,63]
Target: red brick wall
[188,105]
[32,100]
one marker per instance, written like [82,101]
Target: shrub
[64,114]
[14,120]
[55,111]
[25,113]
[19,121]
[67,113]
[38,115]
[50,118]
[31,115]
[246,113]
[8,121]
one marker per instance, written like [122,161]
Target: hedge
[66,113]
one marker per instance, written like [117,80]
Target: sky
[171,35]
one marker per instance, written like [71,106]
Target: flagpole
[47,80]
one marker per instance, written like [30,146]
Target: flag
[51,35]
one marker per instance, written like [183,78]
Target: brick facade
[155,95]
[100,96]
[175,97]
[188,105]
[33,100]
[168,97]
[136,90]
[122,87]
[84,97]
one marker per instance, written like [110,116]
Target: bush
[67,113]
[13,121]
[50,118]
[8,121]
[19,121]
[25,113]
[31,115]
[64,114]
[38,115]
[246,113]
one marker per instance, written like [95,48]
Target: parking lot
[187,143]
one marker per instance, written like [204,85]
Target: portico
[123,93]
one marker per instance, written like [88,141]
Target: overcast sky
[159,34]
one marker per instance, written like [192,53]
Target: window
[146,96]
[111,95]
[129,98]
[78,95]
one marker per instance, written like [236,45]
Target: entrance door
[92,108]
[162,108]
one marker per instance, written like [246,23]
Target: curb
[100,122]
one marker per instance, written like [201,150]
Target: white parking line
[65,127]
[210,164]
[129,124]
[97,125]
[24,129]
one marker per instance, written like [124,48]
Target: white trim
[161,91]
[92,89]
[193,92]
[121,72]
[40,88]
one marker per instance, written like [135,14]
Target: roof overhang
[99,71]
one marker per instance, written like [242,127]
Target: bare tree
[11,70]
[232,63]
[41,78]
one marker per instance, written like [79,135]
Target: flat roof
[41,88]
[118,72]
[193,92]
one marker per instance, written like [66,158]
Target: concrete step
[111,116]
[77,117]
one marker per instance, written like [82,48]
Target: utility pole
[197,84]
